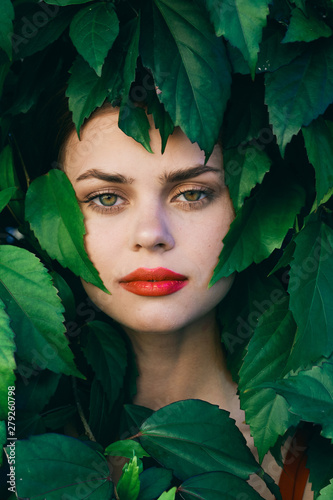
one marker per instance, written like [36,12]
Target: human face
[150,211]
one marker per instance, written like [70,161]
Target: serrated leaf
[298,93]
[305,27]
[310,395]
[57,221]
[106,352]
[153,482]
[326,493]
[6,26]
[267,352]
[244,168]
[93,31]
[7,361]
[168,495]
[189,66]
[35,311]
[125,448]
[128,486]
[5,196]
[319,462]
[310,287]
[241,22]
[260,225]
[217,485]
[318,137]
[192,436]
[53,466]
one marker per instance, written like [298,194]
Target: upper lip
[157,274]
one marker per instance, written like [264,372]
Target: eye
[106,199]
[193,195]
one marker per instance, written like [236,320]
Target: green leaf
[244,168]
[189,66]
[268,350]
[7,361]
[3,438]
[192,436]
[93,31]
[168,495]
[35,311]
[162,119]
[260,225]
[153,482]
[57,221]
[310,287]
[135,416]
[217,485]
[319,461]
[298,93]
[128,486]
[318,137]
[241,22]
[305,27]
[9,179]
[66,2]
[6,26]
[53,466]
[326,493]
[66,295]
[106,352]
[310,395]
[5,196]
[126,448]
[35,394]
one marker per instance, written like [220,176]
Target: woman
[154,230]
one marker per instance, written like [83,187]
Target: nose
[151,229]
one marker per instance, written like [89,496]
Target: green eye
[107,200]
[192,195]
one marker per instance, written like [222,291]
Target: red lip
[153,282]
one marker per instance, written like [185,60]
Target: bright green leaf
[7,361]
[244,168]
[6,26]
[5,196]
[57,221]
[189,66]
[192,436]
[267,412]
[298,93]
[305,27]
[153,482]
[217,485]
[35,311]
[241,22]
[93,31]
[310,287]
[260,226]
[318,137]
[327,493]
[53,466]
[106,352]
[168,495]
[128,486]
[125,448]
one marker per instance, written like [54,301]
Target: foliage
[259,75]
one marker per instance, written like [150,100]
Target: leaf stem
[87,430]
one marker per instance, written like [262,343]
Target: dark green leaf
[261,225]
[57,221]
[128,486]
[161,117]
[35,311]
[153,482]
[189,66]
[34,395]
[66,2]
[298,93]
[268,350]
[59,417]
[244,168]
[318,137]
[8,179]
[93,31]
[6,26]
[66,295]
[310,395]
[273,54]
[7,361]
[217,485]
[305,27]
[135,416]
[5,196]
[126,448]
[101,414]
[192,436]
[53,466]
[3,438]
[319,462]
[310,288]
[287,257]
[106,352]
[242,24]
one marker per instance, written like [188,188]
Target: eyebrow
[188,173]
[104,176]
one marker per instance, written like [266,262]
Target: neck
[186,364]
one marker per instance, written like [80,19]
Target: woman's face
[144,212]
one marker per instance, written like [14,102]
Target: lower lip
[153,288]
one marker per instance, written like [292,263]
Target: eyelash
[186,205]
